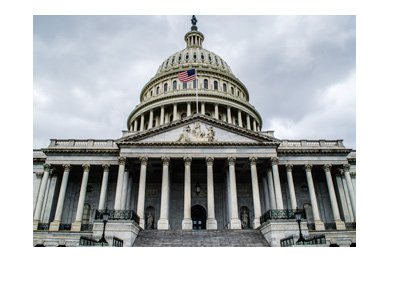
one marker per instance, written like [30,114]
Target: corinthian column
[277,183]
[319,225]
[292,193]
[163,222]
[76,226]
[346,169]
[55,225]
[335,209]
[234,219]
[40,199]
[211,221]
[256,192]
[271,189]
[187,216]
[142,190]
[120,183]
[104,184]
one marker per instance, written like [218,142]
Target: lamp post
[298,215]
[104,216]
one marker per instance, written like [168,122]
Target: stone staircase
[202,238]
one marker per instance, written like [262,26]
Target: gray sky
[89,70]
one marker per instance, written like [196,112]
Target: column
[342,197]
[150,120]
[36,188]
[271,189]
[55,224]
[128,204]
[187,215]
[203,108]
[292,193]
[124,189]
[228,113]
[332,196]
[240,118]
[211,221]
[277,183]
[76,225]
[162,116]
[40,199]
[347,196]
[142,191]
[254,125]
[319,225]
[189,109]
[216,112]
[163,222]
[142,122]
[235,222]
[248,125]
[175,112]
[256,192]
[346,169]
[120,182]
[353,179]
[104,184]
[135,125]
[266,195]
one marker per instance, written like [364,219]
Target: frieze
[197,134]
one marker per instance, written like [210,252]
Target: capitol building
[195,167]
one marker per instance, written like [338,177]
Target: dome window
[238,93]
[187,56]
[224,87]
[180,57]
[208,114]
[209,59]
[194,56]
[183,115]
[173,60]
[232,91]
[185,85]
[165,87]
[194,83]
[202,57]
[205,84]
[216,60]
[174,85]
[166,63]
[158,90]
[215,85]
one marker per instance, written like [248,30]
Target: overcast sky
[89,70]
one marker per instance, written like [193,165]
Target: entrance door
[199,217]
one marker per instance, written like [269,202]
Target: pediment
[197,130]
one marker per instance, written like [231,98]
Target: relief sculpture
[196,134]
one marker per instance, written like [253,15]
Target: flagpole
[197,96]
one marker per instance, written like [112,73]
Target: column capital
[339,172]
[188,160]
[46,167]
[308,167]
[143,160]
[122,160]
[346,167]
[86,167]
[289,167]
[66,167]
[274,160]
[210,161]
[39,174]
[327,167]
[106,166]
[253,160]
[231,161]
[166,160]
[353,174]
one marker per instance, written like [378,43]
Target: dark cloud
[89,70]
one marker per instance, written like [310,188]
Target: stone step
[200,238]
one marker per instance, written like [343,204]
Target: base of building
[340,225]
[211,223]
[54,226]
[35,224]
[187,223]
[76,226]
[319,225]
[163,224]
[235,223]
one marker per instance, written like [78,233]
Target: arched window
[165,87]
[224,87]
[151,93]
[215,85]
[185,85]
[208,114]
[232,91]
[158,90]
[238,94]
[183,115]
[205,84]
[174,84]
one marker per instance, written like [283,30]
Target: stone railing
[82,143]
[311,144]
[284,214]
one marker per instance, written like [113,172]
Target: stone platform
[200,238]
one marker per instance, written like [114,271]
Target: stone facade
[179,169]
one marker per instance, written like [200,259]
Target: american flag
[188,75]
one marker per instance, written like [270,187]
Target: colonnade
[272,193]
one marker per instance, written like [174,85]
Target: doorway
[199,217]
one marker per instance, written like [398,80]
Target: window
[194,56]
[165,87]
[183,115]
[174,85]
[205,84]
[194,83]
[158,90]
[215,85]
[224,87]
[208,114]
[232,91]
[238,94]
[171,117]
[185,85]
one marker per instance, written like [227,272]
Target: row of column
[161,120]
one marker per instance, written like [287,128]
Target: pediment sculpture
[197,134]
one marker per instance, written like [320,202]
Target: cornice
[81,151]
[312,151]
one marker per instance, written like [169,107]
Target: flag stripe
[187,75]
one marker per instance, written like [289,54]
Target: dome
[215,92]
